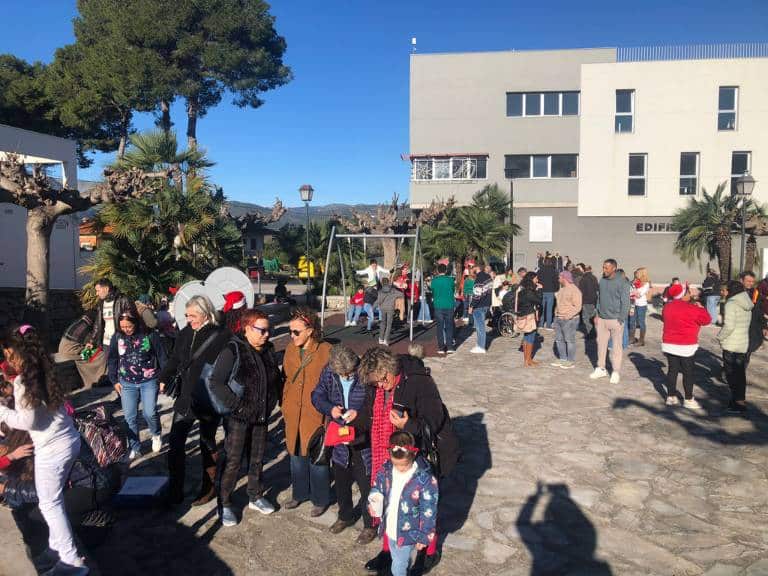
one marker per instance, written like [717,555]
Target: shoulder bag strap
[304,363]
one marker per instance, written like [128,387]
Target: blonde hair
[642,275]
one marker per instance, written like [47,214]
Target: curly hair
[41,388]
[310,319]
[376,362]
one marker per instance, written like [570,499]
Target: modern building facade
[598,147]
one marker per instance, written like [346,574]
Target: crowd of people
[376,421]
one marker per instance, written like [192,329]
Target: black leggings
[735,366]
[679,364]
[177,442]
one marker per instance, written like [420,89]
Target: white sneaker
[692,404]
[441,351]
[599,373]
[615,378]
[133,454]
[261,505]
[381,342]
[347,323]
[672,401]
[557,363]
[477,350]
[157,443]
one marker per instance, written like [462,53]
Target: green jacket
[734,336]
[443,290]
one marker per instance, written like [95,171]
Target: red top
[682,321]
[357,299]
[5,462]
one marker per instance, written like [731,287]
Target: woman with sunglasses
[260,376]
[305,358]
[198,344]
[136,357]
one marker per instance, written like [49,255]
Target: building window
[450,168]
[625,110]
[727,102]
[541,166]
[741,163]
[542,103]
[637,173]
[689,173]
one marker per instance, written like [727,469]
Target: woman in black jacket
[529,296]
[259,374]
[192,400]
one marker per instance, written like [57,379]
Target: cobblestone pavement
[561,475]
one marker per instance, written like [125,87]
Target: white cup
[376,502]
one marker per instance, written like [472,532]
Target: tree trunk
[39,227]
[192,107]
[125,122]
[390,252]
[751,252]
[723,246]
[165,116]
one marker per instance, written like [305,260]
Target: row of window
[566,166]
[689,172]
[542,103]
[567,104]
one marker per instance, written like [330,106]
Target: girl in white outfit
[39,409]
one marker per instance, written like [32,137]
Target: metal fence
[693,52]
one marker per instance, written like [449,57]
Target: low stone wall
[63,308]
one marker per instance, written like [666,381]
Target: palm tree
[707,224]
[181,232]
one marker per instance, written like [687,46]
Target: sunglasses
[296,333]
[260,330]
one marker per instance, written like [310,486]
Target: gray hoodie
[613,299]
[387,297]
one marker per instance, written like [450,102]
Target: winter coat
[734,335]
[481,291]
[387,298]
[528,301]
[327,394]
[370,295]
[418,392]
[300,416]
[710,286]
[192,394]
[589,288]
[417,508]
[682,322]
[121,304]
[548,276]
[357,299]
[122,368]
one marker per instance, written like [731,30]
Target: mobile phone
[399,409]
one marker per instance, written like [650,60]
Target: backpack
[102,436]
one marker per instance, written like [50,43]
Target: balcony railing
[693,52]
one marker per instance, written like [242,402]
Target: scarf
[381,430]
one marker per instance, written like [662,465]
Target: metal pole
[509,217]
[325,276]
[413,279]
[743,233]
[306,258]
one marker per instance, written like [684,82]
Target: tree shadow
[564,541]
[458,490]
[652,369]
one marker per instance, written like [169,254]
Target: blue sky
[342,123]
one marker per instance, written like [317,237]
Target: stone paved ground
[561,475]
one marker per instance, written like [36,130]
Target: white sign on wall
[540,229]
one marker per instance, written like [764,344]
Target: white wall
[675,111]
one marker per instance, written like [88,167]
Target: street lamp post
[744,186]
[306,192]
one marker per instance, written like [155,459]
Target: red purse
[336,434]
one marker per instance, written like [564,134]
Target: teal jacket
[443,292]
[734,336]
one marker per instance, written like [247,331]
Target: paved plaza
[561,475]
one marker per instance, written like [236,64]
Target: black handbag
[319,454]
[440,449]
[173,388]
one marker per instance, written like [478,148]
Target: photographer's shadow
[564,541]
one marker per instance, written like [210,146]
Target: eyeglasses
[260,330]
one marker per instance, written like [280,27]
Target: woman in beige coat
[305,358]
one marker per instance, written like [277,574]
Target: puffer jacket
[734,336]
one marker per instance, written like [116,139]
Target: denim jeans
[444,318]
[129,398]
[424,314]
[401,557]
[310,482]
[478,316]
[565,337]
[638,319]
[369,313]
[548,304]
[465,310]
[712,305]
[353,313]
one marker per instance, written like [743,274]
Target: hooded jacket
[121,304]
[387,298]
[734,336]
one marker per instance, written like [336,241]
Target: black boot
[379,564]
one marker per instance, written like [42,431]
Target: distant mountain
[297,215]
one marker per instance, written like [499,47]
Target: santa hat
[172,290]
[233,301]
[676,291]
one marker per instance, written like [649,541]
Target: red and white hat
[676,291]
[233,301]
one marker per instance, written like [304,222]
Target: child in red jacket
[356,303]
[682,321]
